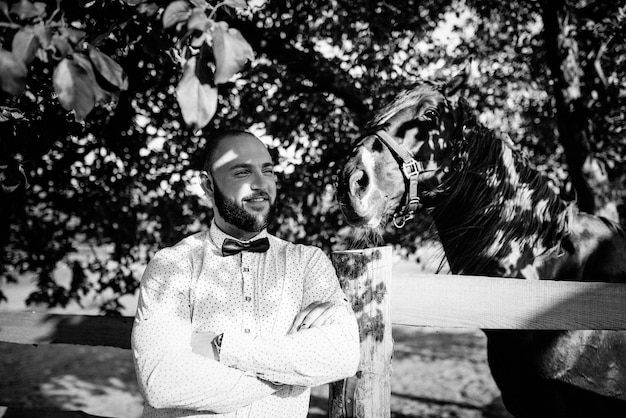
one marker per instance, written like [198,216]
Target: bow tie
[232,246]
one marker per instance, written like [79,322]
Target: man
[227,325]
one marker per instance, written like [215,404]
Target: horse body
[497,217]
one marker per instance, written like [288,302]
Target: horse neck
[495,214]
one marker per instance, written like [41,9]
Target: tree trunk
[587,174]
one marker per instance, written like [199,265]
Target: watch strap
[217,342]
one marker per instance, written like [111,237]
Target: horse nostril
[359,181]
[364,181]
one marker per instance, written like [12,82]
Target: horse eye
[431,115]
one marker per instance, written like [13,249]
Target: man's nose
[259,181]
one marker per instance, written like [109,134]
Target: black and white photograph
[313,209]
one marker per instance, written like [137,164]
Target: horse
[495,216]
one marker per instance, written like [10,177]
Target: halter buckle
[413,204]
[411,169]
[403,218]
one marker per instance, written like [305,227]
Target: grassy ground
[436,372]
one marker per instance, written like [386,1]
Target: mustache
[258,195]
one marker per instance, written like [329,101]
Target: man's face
[237,215]
[244,185]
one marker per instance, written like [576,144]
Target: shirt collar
[218,236]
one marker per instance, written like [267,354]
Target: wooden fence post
[365,277]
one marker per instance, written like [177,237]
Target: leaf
[197,101]
[13,73]
[44,34]
[148,9]
[76,86]
[8,188]
[238,4]
[41,8]
[73,35]
[25,9]
[231,52]
[203,4]
[175,12]
[198,20]
[110,70]
[10,113]
[25,44]
[83,62]
[13,177]
[61,45]
[71,90]
[134,2]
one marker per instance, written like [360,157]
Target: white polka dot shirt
[252,298]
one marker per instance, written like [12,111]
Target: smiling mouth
[257,202]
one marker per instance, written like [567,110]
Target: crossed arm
[315,315]
[169,374]
[175,369]
[323,326]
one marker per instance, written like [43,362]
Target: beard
[237,216]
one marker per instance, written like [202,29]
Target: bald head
[228,142]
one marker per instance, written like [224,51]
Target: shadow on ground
[436,373]
[97,380]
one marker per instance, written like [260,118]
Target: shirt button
[248,298]
[246,269]
[247,331]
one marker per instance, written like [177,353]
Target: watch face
[217,341]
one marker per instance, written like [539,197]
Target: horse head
[394,168]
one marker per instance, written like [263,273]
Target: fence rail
[425,300]
[498,303]
[428,300]
[39,328]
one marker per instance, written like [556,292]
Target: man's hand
[202,343]
[314,315]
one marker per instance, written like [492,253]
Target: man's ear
[206,182]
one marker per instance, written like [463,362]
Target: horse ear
[464,112]
[456,83]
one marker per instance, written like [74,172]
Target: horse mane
[493,200]
[498,201]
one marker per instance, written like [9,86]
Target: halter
[410,168]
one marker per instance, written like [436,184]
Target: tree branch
[310,65]
[9,25]
[597,64]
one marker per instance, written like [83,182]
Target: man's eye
[241,173]
[268,172]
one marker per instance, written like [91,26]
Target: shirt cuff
[235,346]
[235,353]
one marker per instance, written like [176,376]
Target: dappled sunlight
[458,383]
[228,157]
[72,393]
[98,380]
[102,170]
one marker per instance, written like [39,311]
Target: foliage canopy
[104,107]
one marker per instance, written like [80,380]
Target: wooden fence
[428,300]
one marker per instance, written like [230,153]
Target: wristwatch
[217,343]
